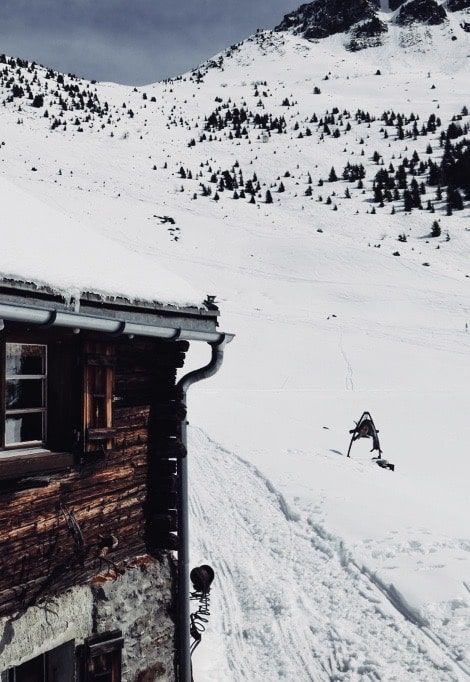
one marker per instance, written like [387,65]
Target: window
[39,405]
[98,396]
[56,401]
[57,665]
[25,395]
[103,657]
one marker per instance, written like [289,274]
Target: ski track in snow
[349,381]
[289,601]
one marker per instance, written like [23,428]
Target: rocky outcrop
[421,11]
[458,5]
[369,29]
[367,34]
[395,4]
[324,18]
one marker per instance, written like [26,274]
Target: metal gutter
[117,327]
[182,619]
[21,293]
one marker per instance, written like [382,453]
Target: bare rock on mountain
[423,12]
[395,4]
[458,5]
[324,18]
[367,34]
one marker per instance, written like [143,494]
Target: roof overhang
[29,305]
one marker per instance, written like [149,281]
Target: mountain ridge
[367,18]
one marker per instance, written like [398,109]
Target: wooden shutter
[99,368]
[57,665]
[60,663]
[102,657]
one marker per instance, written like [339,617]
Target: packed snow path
[289,602]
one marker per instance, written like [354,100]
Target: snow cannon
[365,428]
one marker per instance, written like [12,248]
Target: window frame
[98,357]
[106,644]
[24,446]
[35,458]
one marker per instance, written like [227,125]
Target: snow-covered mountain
[315,177]
[323,18]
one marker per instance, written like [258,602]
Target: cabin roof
[44,252]
[32,305]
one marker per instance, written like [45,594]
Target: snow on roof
[44,246]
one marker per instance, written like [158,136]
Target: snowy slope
[43,246]
[293,602]
[340,570]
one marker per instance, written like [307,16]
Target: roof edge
[181,329]
[25,293]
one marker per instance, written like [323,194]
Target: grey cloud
[130,41]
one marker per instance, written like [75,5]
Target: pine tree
[332,177]
[408,201]
[454,199]
[38,101]
[269,198]
[436,229]
[416,197]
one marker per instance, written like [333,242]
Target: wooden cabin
[91,447]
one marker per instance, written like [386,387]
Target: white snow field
[327,568]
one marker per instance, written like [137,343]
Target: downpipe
[184,669]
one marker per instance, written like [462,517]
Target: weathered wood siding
[53,537]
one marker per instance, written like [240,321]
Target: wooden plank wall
[55,536]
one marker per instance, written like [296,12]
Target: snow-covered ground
[327,568]
[292,601]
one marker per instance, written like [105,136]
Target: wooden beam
[20,465]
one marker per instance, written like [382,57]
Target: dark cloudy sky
[130,41]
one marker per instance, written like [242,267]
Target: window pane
[99,413]
[99,381]
[22,394]
[23,428]
[103,667]
[24,358]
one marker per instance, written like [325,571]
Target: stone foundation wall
[138,602]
